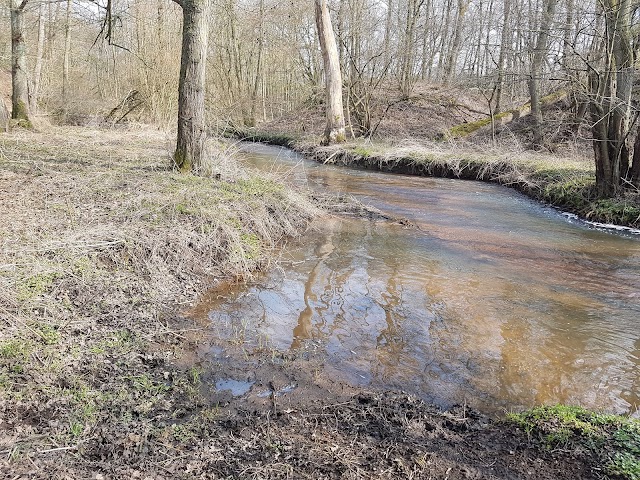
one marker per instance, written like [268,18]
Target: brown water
[494,300]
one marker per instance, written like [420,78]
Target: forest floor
[409,139]
[104,249]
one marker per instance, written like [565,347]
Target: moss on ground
[612,439]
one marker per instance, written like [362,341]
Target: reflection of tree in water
[332,285]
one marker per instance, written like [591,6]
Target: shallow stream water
[493,300]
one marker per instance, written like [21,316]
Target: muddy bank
[567,184]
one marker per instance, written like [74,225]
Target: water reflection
[493,300]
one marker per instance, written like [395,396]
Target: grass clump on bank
[614,440]
[100,244]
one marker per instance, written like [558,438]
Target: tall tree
[506,40]
[19,76]
[37,74]
[191,90]
[67,53]
[335,129]
[539,55]
[611,103]
[454,50]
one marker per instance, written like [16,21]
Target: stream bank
[565,183]
[102,247]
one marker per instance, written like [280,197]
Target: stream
[493,300]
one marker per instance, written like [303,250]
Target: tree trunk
[37,74]
[191,91]
[611,103]
[567,40]
[67,54]
[387,33]
[19,78]
[452,59]
[335,129]
[505,46]
[539,53]
[258,75]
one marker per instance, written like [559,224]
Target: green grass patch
[36,285]
[613,440]
[615,210]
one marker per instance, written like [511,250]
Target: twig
[59,449]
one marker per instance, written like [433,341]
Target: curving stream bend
[493,300]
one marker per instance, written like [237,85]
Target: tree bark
[335,129]
[191,91]
[37,74]
[4,117]
[611,103]
[539,52]
[67,53]
[505,46]
[19,77]
[452,59]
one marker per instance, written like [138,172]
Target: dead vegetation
[100,241]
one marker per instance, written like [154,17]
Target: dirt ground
[102,251]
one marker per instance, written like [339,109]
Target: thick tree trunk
[335,129]
[634,171]
[611,103]
[19,78]
[191,95]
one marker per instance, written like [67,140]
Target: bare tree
[454,50]
[19,76]
[37,74]
[538,57]
[191,90]
[611,102]
[67,53]
[335,129]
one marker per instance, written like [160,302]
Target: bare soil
[102,374]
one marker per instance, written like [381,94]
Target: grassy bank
[101,247]
[612,441]
[565,183]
